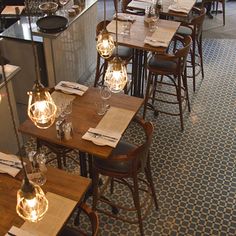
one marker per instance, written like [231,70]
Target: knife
[10,162]
[71,87]
[10,165]
[103,135]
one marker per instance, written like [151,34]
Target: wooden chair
[215,4]
[125,53]
[171,66]
[194,29]
[126,162]
[93,218]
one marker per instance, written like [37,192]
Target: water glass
[152,24]
[100,108]
[126,25]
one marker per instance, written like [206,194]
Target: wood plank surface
[83,117]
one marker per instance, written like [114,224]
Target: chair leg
[137,203]
[201,55]
[147,94]
[95,188]
[223,7]
[148,174]
[185,82]
[180,103]
[194,55]
[97,76]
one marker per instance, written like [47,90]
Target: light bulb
[41,107]
[32,205]
[116,75]
[105,44]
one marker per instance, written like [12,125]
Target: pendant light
[105,42]
[116,74]
[31,201]
[41,107]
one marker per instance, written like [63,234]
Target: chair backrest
[100,26]
[124,4]
[198,20]
[182,53]
[140,154]
[93,218]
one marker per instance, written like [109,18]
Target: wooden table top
[58,181]
[142,5]
[84,116]
[139,31]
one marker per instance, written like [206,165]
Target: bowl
[48,7]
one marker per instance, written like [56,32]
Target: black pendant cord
[105,12]
[36,64]
[116,27]
[12,116]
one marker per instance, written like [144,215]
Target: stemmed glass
[63,3]
[68,109]
[105,95]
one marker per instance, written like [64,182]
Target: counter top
[20,30]
[10,71]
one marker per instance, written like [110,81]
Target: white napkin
[155,43]
[101,137]
[71,87]
[124,17]
[179,9]
[19,232]
[10,161]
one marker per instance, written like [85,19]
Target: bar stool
[170,66]
[194,29]
[125,53]
[126,162]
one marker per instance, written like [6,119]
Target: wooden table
[142,5]
[58,181]
[84,116]
[138,32]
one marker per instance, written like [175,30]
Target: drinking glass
[68,109]
[63,3]
[105,95]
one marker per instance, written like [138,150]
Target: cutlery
[10,234]
[11,165]
[10,162]
[155,40]
[71,87]
[97,135]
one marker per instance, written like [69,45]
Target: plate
[97,143]
[52,24]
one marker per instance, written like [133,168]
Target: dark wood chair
[125,53]
[171,69]
[194,29]
[126,162]
[93,218]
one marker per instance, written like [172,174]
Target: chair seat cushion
[124,52]
[116,166]
[183,30]
[156,63]
[68,231]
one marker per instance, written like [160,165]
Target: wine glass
[105,94]
[63,3]
[68,109]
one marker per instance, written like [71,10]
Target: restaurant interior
[117,117]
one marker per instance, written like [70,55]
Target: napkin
[9,164]
[179,9]
[102,137]
[19,232]
[71,87]
[155,43]
[124,17]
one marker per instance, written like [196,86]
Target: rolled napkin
[19,232]
[71,87]
[124,17]
[9,164]
[101,137]
[179,8]
[155,42]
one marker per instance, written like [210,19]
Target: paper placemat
[116,120]
[139,5]
[112,27]
[18,232]
[162,35]
[59,209]
[71,88]
[11,10]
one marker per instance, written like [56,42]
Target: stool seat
[123,52]
[183,30]
[118,166]
[164,65]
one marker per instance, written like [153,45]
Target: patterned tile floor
[194,171]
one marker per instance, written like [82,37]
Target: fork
[96,135]
[71,87]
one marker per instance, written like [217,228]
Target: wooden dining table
[138,32]
[164,11]
[83,117]
[70,186]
